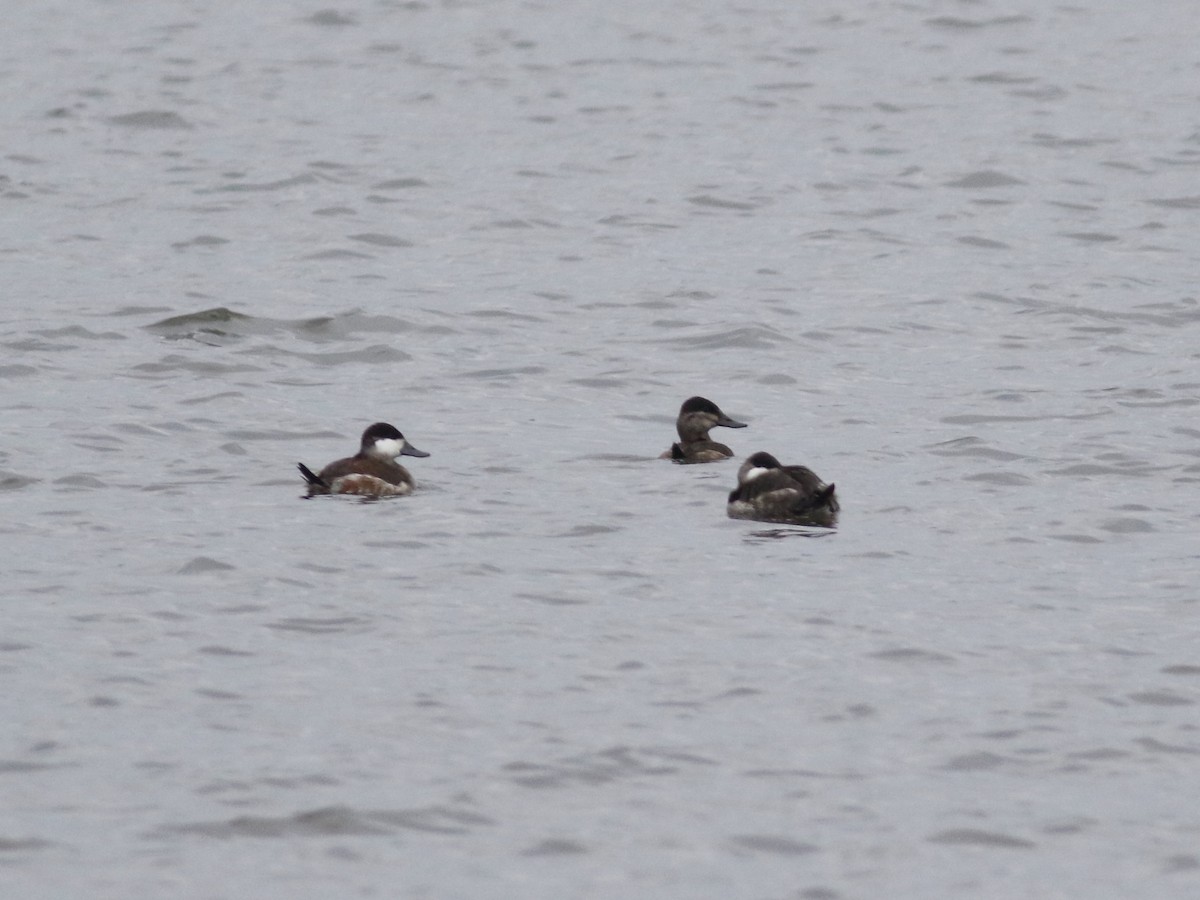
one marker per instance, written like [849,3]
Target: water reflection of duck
[696,417]
[372,472]
[770,492]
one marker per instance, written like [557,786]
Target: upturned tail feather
[310,476]
[825,497]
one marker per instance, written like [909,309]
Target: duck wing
[804,478]
[767,483]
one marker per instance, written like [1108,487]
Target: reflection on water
[795,531]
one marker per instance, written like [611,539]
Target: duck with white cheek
[372,472]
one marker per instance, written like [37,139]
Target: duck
[372,472]
[769,491]
[696,416]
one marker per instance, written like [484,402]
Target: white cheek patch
[756,472]
[388,448]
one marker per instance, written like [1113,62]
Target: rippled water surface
[944,253]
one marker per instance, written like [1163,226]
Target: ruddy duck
[770,492]
[696,417]
[372,472]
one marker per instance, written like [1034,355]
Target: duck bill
[410,450]
[730,423]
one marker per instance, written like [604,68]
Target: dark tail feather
[677,452]
[311,477]
[825,497]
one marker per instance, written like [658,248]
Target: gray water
[944,253]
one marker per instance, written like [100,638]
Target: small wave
[151,118]
[337,820]
[376,239]
[984,179]
[979,838]
[750,337]
[11,481]
[376,354]
[204,565]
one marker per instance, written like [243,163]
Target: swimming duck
[696,417]
[372,472]
[770,492]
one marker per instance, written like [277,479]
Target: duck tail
[826,498]
[311,477]
[677,452]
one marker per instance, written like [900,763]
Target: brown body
[362,475]
[698,452]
